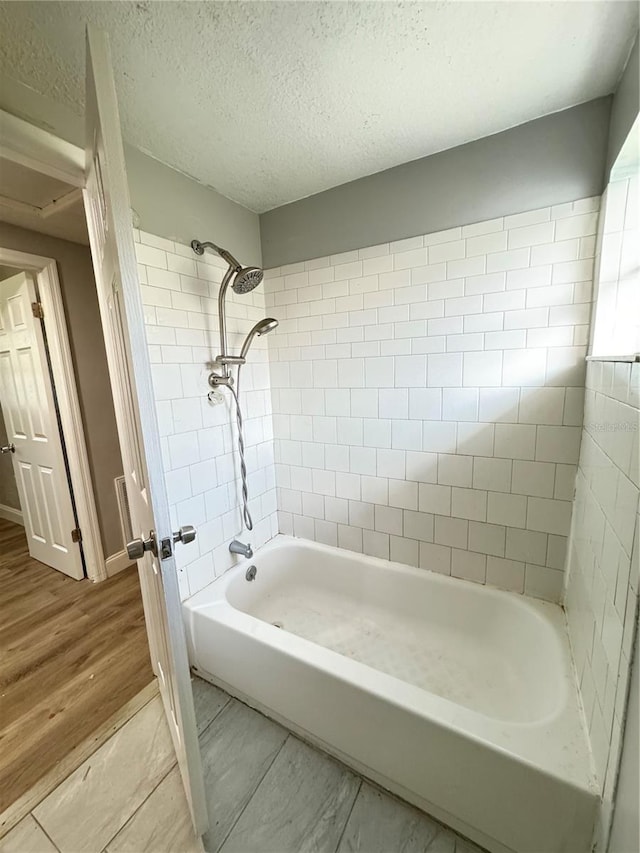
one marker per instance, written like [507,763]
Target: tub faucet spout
[239,548]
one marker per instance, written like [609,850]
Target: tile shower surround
[601,598]
[428,396]
[427,407]
[199,440]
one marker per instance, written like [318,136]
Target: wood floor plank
[43,735]
[71,654]
[81,657]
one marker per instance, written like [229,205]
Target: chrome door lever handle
[8,448]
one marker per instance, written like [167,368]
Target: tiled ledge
[626,358]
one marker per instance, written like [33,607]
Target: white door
[34,441]
[109,218]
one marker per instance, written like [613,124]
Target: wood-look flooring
[71,654]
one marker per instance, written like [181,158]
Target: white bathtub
[459,698]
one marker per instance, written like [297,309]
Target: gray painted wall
[169,203]
[172,205]
[625,107]
[547,161]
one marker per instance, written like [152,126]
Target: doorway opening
[36,485]
[73,641]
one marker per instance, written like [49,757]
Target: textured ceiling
[269,102]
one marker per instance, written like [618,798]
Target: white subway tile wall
[179,292]
[601,597]
[427,395]
[616,328]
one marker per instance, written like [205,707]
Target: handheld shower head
[247,279]
[262,327]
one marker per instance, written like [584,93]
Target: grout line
[44,830]
[131,816]
[218,712]
[353,804]
[253,793]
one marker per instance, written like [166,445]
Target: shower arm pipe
[199,248]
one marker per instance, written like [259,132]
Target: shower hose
[246,515]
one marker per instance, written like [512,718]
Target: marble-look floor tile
[379,823]
[237,749]
[162,824]
[301,805]
[87,810]
[208,701]
[26,837]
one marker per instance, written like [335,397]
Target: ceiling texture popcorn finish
[271,102]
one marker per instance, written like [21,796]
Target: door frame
[65,389]
[25,143]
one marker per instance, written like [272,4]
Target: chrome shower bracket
[218,379]
[231,359]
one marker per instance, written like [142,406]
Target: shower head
[247,279]
[262,327]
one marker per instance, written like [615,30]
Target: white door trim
[37,149]
[64,379]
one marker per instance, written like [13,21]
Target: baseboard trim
[117,563]
[11,514]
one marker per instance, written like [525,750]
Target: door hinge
[76,535]
[36,310]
